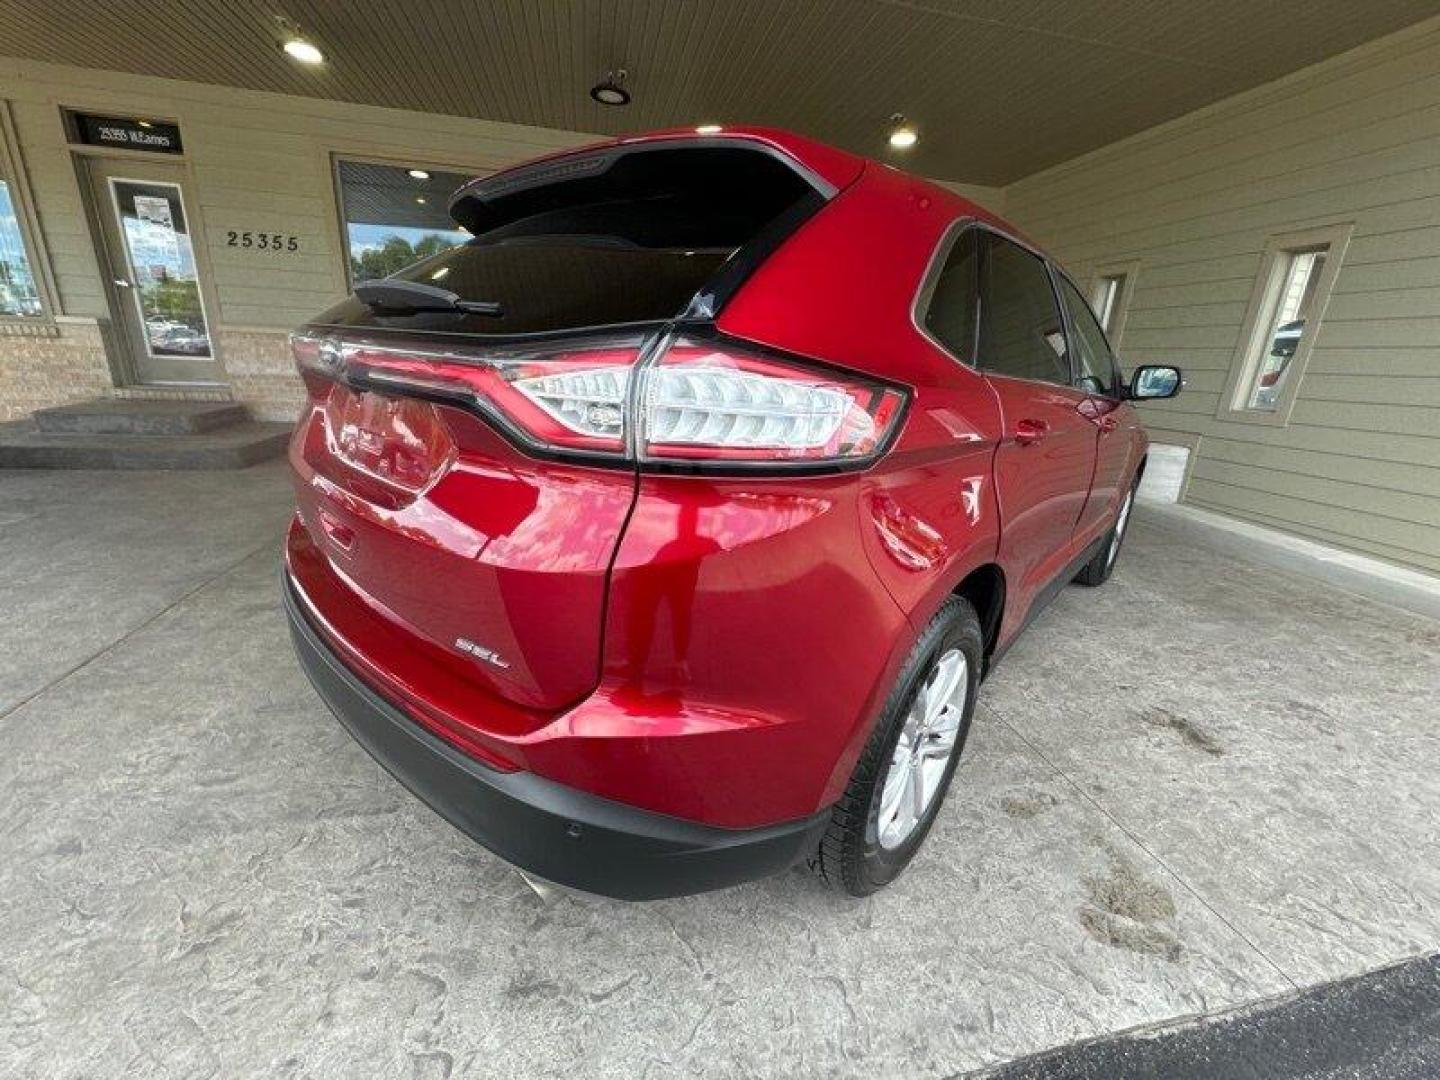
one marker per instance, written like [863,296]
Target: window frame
[335,155]
[12,171]
[1117,375]
[1129,272]
[925,293]
[1051,270]
[1246,358]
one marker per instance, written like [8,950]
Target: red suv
[659,536]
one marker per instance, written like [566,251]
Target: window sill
[29,328]
[1278,418]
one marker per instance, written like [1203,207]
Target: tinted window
[596,241]
[950,318]
[1094,363]
[1021,334]
[394,218]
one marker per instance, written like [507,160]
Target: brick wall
[36,371]
[261,372]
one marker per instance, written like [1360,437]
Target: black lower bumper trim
[556,832]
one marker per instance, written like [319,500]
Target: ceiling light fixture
[419,174]
[902,135]
[420,199]
[297,48]
[708,129]
[611,90]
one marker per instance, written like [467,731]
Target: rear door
[1098,378]
[1046,456]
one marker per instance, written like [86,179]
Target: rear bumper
[555,832]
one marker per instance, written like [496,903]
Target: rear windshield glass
[632,240]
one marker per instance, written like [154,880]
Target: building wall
[255,161]
[1354,139]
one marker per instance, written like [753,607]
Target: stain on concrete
[528,987]
[1028,804]
[1193,735]
[1128,911]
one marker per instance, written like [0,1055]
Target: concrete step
[24,446]
[116,417]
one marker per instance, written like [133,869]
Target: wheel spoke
[917,794]
[943,683]
[939,746]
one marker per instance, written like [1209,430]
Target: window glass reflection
[19,296]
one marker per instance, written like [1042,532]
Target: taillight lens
[699,400]
[570,398]
[714,401]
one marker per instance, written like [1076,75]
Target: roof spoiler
[592,175]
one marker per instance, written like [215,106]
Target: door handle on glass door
[1029,432]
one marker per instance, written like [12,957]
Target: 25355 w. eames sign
[152,135]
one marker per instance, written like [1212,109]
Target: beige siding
[1355,139]
[255,161]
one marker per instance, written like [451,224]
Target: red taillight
[505,384]
[698,400]
[715,401]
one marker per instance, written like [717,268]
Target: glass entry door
[159,292]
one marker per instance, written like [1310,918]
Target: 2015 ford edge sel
[659,536]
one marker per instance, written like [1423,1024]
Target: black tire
[851,856]
[1098,570]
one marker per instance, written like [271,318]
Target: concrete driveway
[1206,784]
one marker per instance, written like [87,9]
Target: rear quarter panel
[842,290]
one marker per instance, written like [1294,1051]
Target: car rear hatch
[460,500]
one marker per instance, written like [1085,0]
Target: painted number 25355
[264,241]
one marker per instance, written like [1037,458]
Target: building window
[1110,292]
[19,295]
[24,295]
[1297,272]
[394,215]
[1106,300]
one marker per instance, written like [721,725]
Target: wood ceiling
[998,89]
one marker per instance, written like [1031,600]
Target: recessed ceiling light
[708,129]
[610,90]
[302,50]
[902,135]
[419,174]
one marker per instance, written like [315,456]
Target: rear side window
[1094,363]
[616,237]
[1021,333]
[950,317]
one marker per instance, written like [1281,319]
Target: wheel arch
[984,589]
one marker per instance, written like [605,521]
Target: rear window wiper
[393,294]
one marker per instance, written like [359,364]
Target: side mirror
[1151,382]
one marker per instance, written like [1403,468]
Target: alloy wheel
[923,751]
[1120,523]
